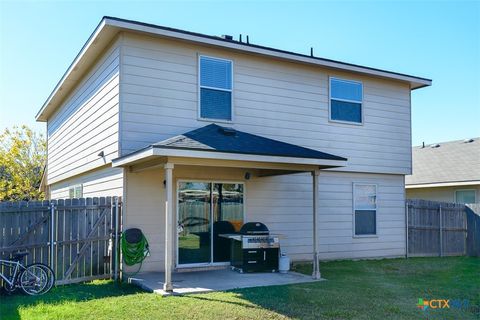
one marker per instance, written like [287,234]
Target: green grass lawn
[381,289]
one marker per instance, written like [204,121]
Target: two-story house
[194,131]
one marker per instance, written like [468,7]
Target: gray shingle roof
[216,138]
[453,161]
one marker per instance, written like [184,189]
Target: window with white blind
[75,191]
[465,196]
[215,89]
[346,100]
[365,209]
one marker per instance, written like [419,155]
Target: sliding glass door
[227,199]
[205,211]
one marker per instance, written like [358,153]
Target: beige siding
[280,100]
[446,194]
[87,122]
[284,203]
[145,204]
[99,183]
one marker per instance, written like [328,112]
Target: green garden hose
[134,247]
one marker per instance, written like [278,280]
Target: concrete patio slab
[215,280]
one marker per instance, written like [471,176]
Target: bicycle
[34,279]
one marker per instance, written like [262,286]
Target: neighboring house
[144,112]
[446,171]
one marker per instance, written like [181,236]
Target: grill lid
[254,228]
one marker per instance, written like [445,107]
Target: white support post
[316,267]
[167,286]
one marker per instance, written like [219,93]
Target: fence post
[440,227]
[116,240]
[406,229]
[52,235]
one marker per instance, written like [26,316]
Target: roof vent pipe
[228,131]
[423,144]
[240,38]
[248,40]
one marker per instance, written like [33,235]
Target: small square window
[75,191]
[346,99]
[215,89]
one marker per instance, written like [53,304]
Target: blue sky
[437,40]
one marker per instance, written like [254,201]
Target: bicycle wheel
[9,289]
[50,275]
[34,279]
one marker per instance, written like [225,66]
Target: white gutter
[167,152]
[442,184]
[135,26]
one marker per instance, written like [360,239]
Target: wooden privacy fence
[436,228]
[473,229]
[77,238]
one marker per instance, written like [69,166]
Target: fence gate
[75,237]
[435,228]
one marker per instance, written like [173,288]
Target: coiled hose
[134,247]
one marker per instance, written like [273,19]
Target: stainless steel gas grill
[254,249]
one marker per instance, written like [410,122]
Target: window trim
[199,87]
[330,78]
[354,235]
[455,194]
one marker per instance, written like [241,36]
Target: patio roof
[222,143]
[218,146]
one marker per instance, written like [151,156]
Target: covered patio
[215,148]
[214,280]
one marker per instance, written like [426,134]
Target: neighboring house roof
[109,27]
[216,139]
[445,164]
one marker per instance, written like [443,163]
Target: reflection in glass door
[205,211]
[227,210]
[194,217]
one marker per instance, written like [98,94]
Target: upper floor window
[465,196]
[365,209]
[346,98]
[215,88]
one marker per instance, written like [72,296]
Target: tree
[22,161]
